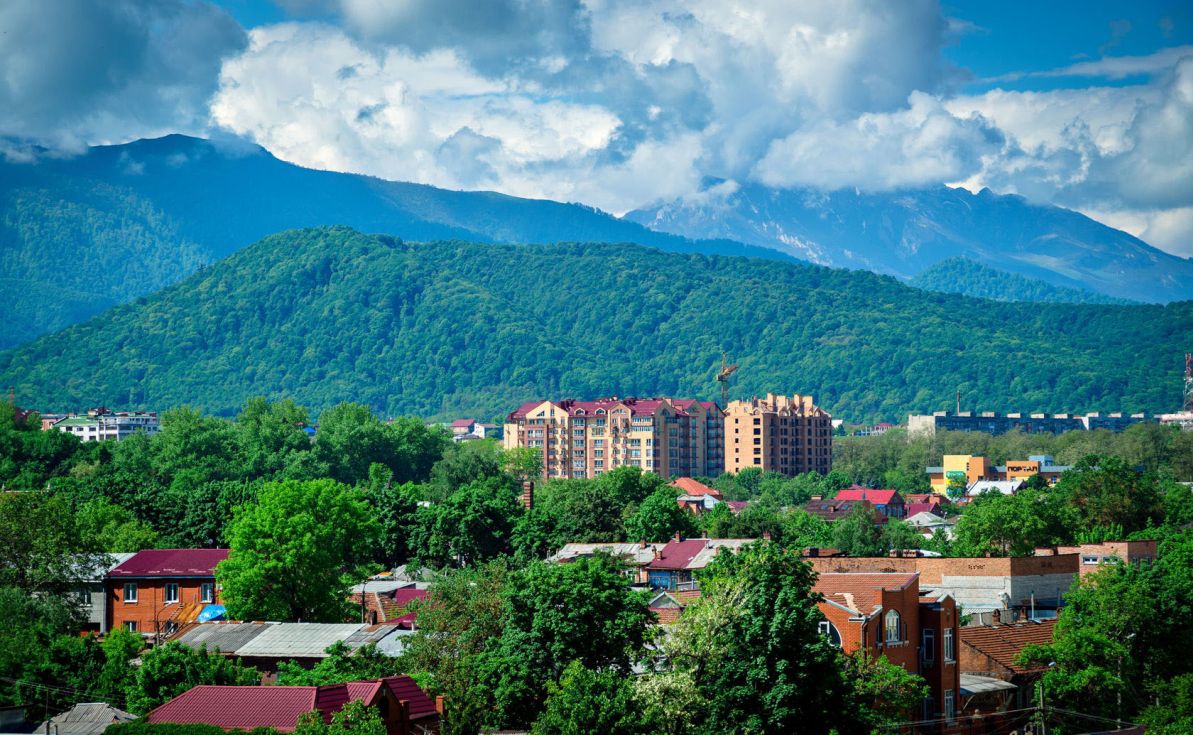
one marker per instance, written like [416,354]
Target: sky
[626,103]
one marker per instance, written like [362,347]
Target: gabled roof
[694,553]
[171,563]
[279,707]
[88,718]
[877,497]
[861,594]
[462,423]
[694,487]
[930,508]
[1003,643]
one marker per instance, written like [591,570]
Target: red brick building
[884,614]
[158,590]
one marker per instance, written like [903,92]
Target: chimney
[996,617]
[527,498]
[642,544]
[439,708]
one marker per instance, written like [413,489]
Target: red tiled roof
[877,497]
[462,423]
[1003,643]
[913,508]
[737,506]
[171,563]
[279,707]
[636,406]
[678,554]
[694,487]
[241,707]
[860,592]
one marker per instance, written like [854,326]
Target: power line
[81,695]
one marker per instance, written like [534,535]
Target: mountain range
[904,233]
[79,234]
[458,328]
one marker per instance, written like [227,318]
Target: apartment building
[790,436]
[584,439]
[102,424]
[995,423]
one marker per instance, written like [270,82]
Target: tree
[1106,491]
[466,462]
[474,524]
[354,718]
[586,701]
[173,668]
[114,528]
[41,549]
[342,664]
[897,534]
[523,463]
[350,439]
[762,665]
[271,436]
[396,508]
[660,517]
[296,551]
[858,534]
[882,692]
[460,623]
[556,614]
[801,530]
[1012,525]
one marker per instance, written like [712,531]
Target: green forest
[969,278]
[452,328]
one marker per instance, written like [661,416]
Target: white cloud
[923,144]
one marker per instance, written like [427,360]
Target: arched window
[828,630]
[892,627]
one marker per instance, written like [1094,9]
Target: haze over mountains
[451,328]
[903,233]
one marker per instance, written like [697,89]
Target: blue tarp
[211,612]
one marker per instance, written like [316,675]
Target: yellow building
[790,436]
[966,469]
[667,436]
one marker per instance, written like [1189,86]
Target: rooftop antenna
[1188,405]
[723,378]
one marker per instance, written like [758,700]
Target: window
[948,646]
[83,597]
[171,592]
[950,706]
[130,591]
[892,627]
[828,630]
[928,647]
[928,708]
[130,626]
[1089,559]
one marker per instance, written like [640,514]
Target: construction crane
[723,378]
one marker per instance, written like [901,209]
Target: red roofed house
[577,439]
[674,564]
[884,614]
[696,496]
[386,605]
[157,591]
[403,707]
[888,502]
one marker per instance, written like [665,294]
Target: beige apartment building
[790,436]
[579,439]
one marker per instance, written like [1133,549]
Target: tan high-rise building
[790,436]
[667,436]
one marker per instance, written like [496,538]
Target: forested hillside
[80,234]
[964,276]
[327,315]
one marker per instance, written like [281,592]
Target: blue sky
[626,103]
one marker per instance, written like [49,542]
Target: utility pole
[1043,720]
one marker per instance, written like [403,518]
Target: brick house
[990,651]
[885,614]
[157,591]
[1094,556]
[674,564]
[403,706]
